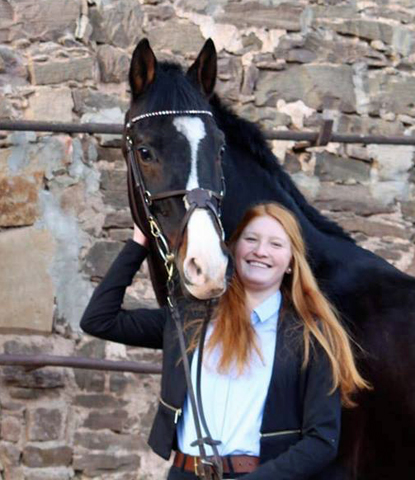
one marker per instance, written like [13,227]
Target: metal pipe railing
[116,129]
[32,362]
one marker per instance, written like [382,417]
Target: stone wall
[63,203]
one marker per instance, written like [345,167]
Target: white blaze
[203,242]
[194,130]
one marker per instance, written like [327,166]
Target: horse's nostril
[194,268]
[194,272]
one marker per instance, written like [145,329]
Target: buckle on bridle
[201,466]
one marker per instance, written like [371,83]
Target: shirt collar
[267,308]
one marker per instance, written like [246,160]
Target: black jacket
[301,422]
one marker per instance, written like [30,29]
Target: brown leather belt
[231,463]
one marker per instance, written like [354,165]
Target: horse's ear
[143,68]
[203,71]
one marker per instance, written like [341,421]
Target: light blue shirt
[233,404]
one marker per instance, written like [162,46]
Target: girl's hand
[139,236]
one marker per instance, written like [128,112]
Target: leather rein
[209,468]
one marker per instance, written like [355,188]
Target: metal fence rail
[32,362]
[324,136]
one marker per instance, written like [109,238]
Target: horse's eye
[222,152]
[145,155]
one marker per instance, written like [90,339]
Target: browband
[168,112]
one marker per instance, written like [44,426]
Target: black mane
[250,137]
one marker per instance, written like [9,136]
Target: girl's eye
[276,244]
[145,155]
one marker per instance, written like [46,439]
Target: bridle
[203,198]
[196,198]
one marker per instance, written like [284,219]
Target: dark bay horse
[376,301]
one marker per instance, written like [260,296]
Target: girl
[277,365]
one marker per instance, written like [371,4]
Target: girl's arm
[104,317]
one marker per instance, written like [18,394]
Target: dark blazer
[301,422]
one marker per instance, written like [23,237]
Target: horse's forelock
[173,90]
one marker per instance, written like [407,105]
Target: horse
[375,300]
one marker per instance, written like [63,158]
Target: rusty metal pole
[116,129]
[32,362]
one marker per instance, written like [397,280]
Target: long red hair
[233,331]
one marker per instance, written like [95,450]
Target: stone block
[13,473]
[285,16]
[110,154]
[89,100]
[49,473]
[400,37]
[36,456]
[116,198]
[28,393]
[6,20]
[113,63]
[118,382]
[114,420]
[365,125]
[6,108]
[60,70]
[19,199]
[25,347]
[114,179]
[291,163]
[94,464]
[44,21]
[312,84]
[43,98]
[408,210]
[392,93]
[11,428]
[13,69]
[9,454]
[104,440]
[176,37]
[91,348]
[229,80]
[117,22]
[119,219]
[349,198]
[44,379]
[366,28]
[337,169]
[392,162]
[372,228]
[27,297]
[90,381]
[45,424]
[159,12]
[106,115]
[98,401]
[100,257]
[120,235]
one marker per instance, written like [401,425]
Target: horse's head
[173,148]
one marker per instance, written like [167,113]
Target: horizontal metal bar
[39,361]
[116,129]
[34,126]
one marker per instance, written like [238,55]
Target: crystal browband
[168,112]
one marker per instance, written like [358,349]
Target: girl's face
[262,255]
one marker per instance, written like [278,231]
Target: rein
[209,468]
